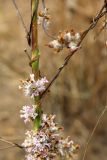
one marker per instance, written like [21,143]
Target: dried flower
[28,113]
[67,39]
[44,15]
[33,88]
[72,45]
[56,45]
[47,143]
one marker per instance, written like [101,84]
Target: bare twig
[100,14]
[26,52]
[101,29]
[44,22]
[3,148]
[45,29]
[59,71]
[11,143]
[20,16]
[93,131]
[23,23]
[43,4]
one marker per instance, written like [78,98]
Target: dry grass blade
[11,143]
[93,131]
[20,16]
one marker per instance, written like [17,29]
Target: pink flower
[28,113]
[33,88]
[47,143]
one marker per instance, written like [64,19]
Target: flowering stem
[35,56]
[34,38]
[37,121]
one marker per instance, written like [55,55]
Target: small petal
[33,88]
[28,113]
[55,44]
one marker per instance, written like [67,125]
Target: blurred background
[77,97]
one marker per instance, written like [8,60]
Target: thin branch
[67,59]
[20,16]
[59,71]
[45,29]
[93,131]
[3,148]
[44,22]
[23,23]
[43,4]
[101,29]
[27,54]
[105,25]
[11,143]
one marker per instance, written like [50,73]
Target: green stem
[35,50]
[35,58]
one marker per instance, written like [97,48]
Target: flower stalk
[35,57]
[34,39]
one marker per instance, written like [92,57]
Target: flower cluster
[47,143]
[33,88]
[67,39]
[44,17]
[28,113]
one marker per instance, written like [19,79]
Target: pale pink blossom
[47,143]
[28,113]
[33,88]
[56,45]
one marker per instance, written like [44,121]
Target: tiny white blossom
[44,117]
[44,17]
[72,45]
[77,36]
[67,37]
[32,77]
[40,84]
[39,20]
[33,88]
[55,44]
[66,40]
[28,113]
[47,143]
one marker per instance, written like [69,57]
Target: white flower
[32,77]
[33,88]
[44,17]
[39,20]
[65,146]
[47,143]
[67,37]
[66,40]
[72,45]
[37,143]
[40,84]
[44,117]
[55,44]
[77,36]
[28,113]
